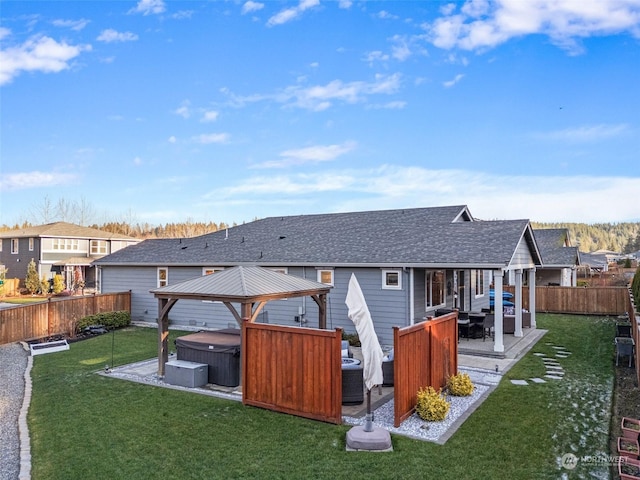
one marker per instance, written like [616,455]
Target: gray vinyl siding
[388,308]
[522,256]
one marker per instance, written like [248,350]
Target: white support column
[498,342]
[518,330]
[574,277]
[532,296]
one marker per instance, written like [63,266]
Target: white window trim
[166,280]
[385,283]
[31,244]
[319,275]
[477,275]
[429,284]
[15,242]
[96,247]
[284,270]
[211,270]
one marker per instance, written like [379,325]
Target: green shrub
[353,338]
[109,320]
[432,406]
[58,284]
[460,385]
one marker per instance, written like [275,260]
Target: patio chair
[624,348]
[464,325]
[387,370]
[488,325]
[352,385]
[346,351]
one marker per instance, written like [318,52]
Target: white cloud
[376,56]
[489,196]
[383,14]
[291,13]
[172,139]
[184,110]
[345,4]
[455,80]
[37,54]
[483,25]
[250,6]
[210,116]
[110,36]
[4,32]
[36,179]
[137,161]
[321,97]
[149,7]
[75,25]
[207,138]
[586,133]
[314,154]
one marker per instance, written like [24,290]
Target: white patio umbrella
[371,351]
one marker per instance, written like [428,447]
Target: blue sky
[158,111]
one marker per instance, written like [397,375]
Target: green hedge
[109,320]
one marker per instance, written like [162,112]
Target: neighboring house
[592,263]
[611,256]
[408,262]
[559,259]
[59,247]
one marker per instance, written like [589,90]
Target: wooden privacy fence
[425,354]
[579,300]
[292,370]
[56,316]
[10,286]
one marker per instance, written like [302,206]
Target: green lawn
[86,426]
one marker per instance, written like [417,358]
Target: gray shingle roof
[421,236]
[64,230]
[551,242]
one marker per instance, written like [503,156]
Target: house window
[14,246]
[479,283]
[0,244]
[435,288]
[66,244]
[163,276]
[99,247]
[325,276]
[284,270]
[210,270]
[31,244]
[391,280]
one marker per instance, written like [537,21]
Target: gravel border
[439,432]
[14,361]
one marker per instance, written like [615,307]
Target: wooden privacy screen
[56,315]
[425,354]
[580,300]
[292,370]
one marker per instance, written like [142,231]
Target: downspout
[411,298]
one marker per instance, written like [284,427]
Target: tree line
[618,237]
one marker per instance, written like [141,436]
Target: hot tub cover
[222,341]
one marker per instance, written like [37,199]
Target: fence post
[49,316]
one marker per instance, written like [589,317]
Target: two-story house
[58,248]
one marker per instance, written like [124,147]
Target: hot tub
[220,349]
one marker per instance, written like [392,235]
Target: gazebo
[250,286]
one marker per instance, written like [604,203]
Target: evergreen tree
[58,284]
[32,280]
